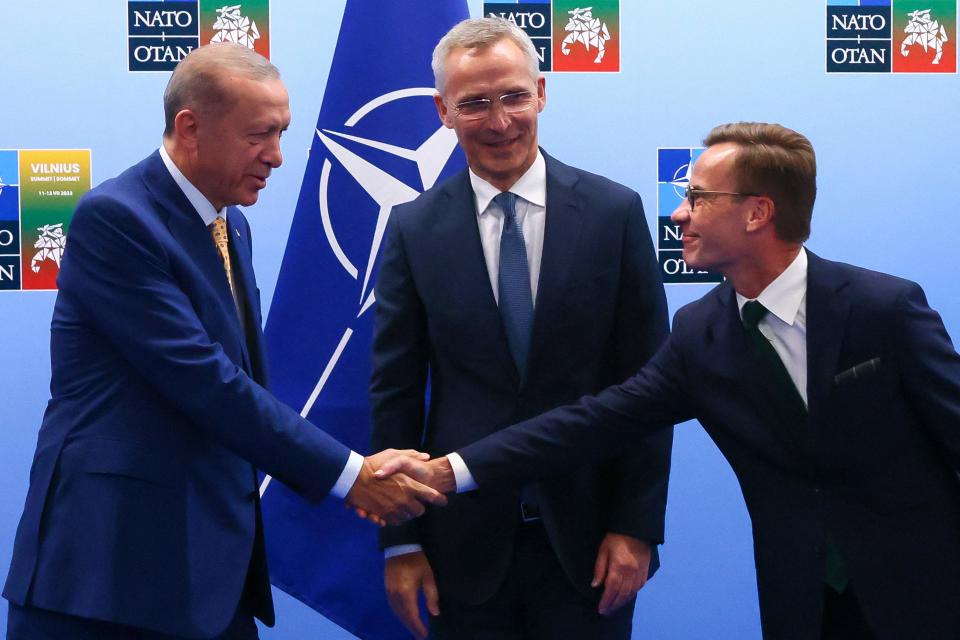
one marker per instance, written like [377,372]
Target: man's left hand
[622,567]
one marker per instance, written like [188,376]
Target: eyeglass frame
[489,105]
[691,194]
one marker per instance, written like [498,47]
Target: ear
[541,93]
[761,213]
[446,114]
[186,127]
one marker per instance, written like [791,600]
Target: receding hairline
[197,82]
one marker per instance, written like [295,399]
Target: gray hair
[196,81]
[479,33]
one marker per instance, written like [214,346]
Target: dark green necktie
[792,410]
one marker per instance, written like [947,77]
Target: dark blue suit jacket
[600,314]
[876,473]
[143,505]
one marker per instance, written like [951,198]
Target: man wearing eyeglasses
[833,391]
[517,286]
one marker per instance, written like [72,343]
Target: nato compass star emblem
[2,185]
[681,179]
[386,191]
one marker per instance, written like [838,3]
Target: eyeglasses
[691,194]
[480,108]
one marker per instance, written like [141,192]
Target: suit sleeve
[640,497]
[399,365]
[117,271]
[931,369]
[596,427]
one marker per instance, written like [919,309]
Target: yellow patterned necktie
[218,229]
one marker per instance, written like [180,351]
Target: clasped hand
[394,498]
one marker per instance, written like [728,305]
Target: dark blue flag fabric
[378,143]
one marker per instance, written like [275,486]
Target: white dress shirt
[208,214]
[531,208]
[785,326]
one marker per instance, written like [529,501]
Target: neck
[185,163]
[178,156]
[749,280]
[506,182]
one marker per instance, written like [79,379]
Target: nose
[498,119]
[681,214]
[272,155]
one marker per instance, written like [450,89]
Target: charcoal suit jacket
[600,313]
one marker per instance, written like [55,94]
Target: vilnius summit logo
[891,36]
[160,33]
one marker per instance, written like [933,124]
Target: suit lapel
[188,229]
[732,356]
[244,281]
[728,352]
[561,235]
[459,239]
[828,308]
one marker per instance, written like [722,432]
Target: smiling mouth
[502,143]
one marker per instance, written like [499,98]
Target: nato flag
[378,143]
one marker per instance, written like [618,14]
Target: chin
[694,263]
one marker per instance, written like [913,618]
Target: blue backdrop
[886,146]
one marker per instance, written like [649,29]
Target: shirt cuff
[461,474]
[400,549]
[348,476]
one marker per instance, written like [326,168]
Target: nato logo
[534,18]
[9,221]
[673,176]
[161,33]
[568,36]
[891,36]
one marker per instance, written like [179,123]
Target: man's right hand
[404,576]
[436,473]
[390,500]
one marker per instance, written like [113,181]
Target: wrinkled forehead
[500,62]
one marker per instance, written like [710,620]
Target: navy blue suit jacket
[877,472]
[143,507]
[600,314]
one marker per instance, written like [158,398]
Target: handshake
[395,486]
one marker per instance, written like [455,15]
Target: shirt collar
[197,199]
[532,186]
[783,296]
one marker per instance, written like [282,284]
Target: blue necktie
[515,298]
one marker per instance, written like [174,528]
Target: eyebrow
[478,96]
